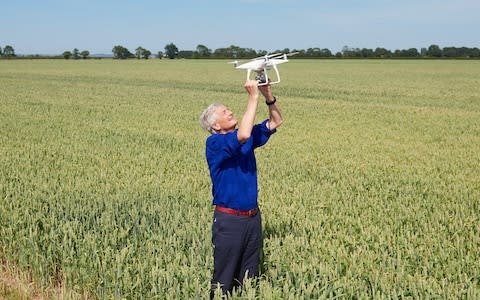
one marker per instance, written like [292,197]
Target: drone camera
[261,78]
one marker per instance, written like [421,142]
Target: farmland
[370,189]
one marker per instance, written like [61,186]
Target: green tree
[312,52]
[203,51]
[247,53]
[221,53]
[67,54]
[186,54]
[171,50]
[450,52]
[434,51]
[139,52]
[325,52]
[397,53]
[120,52]
[8,51]
[235,52]
[76,53]
[301,53]
[262,52]
[84,54]
[382,52]
[474,52]
[146,54]
[1,52]
[351,52]
[366,53]
[160,54]
[316,52]
[463,52]
[412,52]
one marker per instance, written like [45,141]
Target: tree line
[76,54]
[234,52]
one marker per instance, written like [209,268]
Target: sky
[55,26]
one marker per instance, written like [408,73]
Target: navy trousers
[237,242]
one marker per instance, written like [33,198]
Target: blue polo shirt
[233,167]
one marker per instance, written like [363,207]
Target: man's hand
[266,92]
[252,88]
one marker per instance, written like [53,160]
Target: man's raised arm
[246,125]
[275,116]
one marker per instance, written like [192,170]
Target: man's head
[217,119]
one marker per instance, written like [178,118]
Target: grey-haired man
[237,227]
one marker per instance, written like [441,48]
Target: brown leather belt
[248,213]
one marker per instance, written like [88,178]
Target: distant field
[370,189]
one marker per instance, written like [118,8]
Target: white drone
[262,64]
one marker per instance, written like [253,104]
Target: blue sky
[54,26]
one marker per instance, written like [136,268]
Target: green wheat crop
[370,189]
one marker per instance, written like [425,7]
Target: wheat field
[369,190]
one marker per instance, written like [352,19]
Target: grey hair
[208,117]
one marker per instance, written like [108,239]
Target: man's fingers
[251,84]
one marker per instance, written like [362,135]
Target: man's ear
[216,127]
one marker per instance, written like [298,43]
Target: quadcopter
[262,64]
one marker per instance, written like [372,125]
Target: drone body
[262,64]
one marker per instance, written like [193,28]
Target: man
[237,227]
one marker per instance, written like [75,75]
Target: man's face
[225,120]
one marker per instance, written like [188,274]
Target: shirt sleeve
[261,133]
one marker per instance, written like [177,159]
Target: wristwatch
[271,102]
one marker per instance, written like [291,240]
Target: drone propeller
[260,57]
[274,55]
[285,55]
[267,56]
[292,53]
[234,63]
